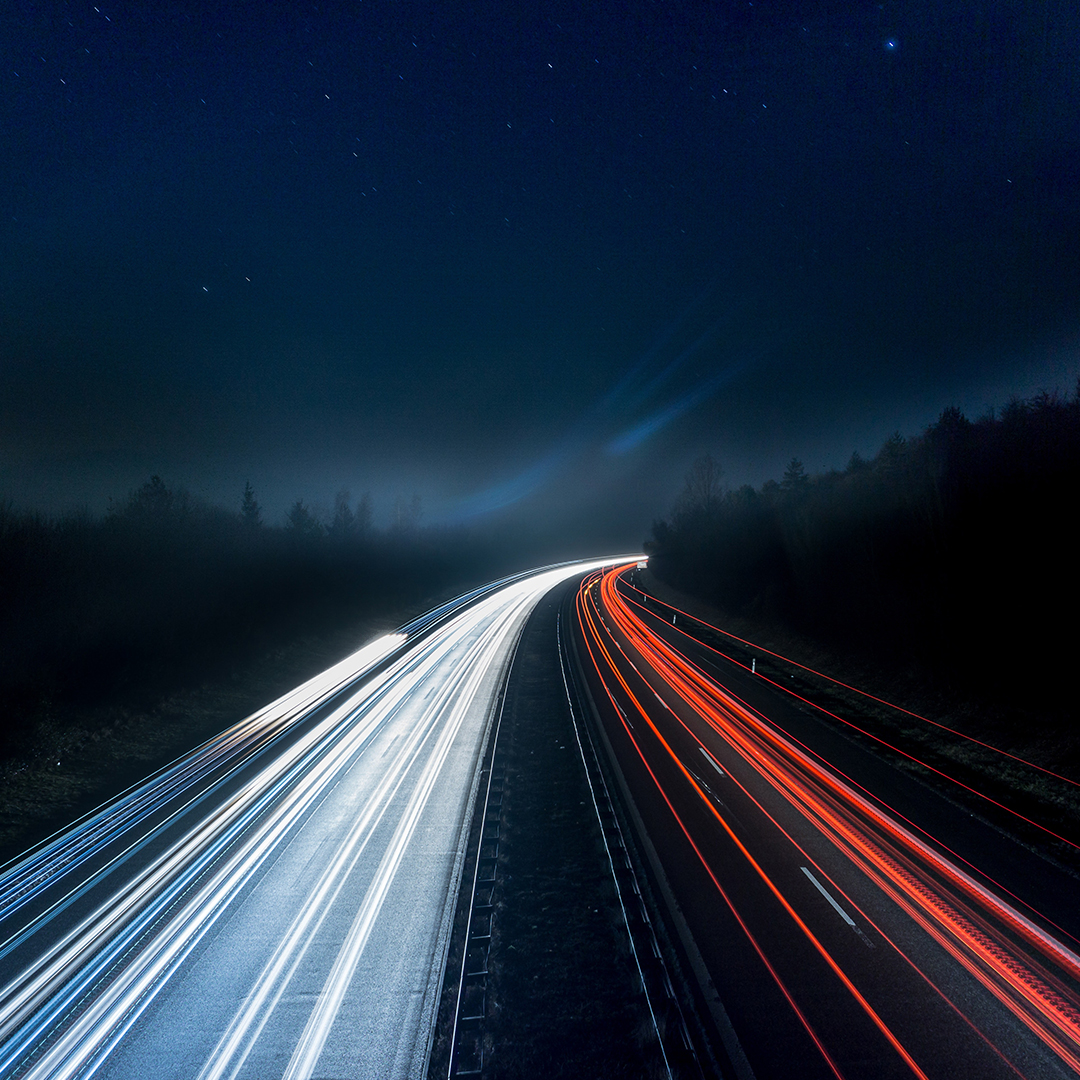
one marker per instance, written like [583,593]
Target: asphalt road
[278,902]
[850,920]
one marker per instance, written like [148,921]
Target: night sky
[521,264]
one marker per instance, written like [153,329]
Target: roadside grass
[81,756]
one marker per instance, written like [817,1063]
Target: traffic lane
[93,841]
[1063,1017]
[1049,891]
[132,912]
[100,995]
[891,963]
[304,720]
[33,882]
[74,1004]
[770,1032]
[894,981]
[443,701]
[765,1017]
[110,922]
[987,938]
[398,956]
[44,894]
[194,1013]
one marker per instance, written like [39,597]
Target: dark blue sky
[538,259]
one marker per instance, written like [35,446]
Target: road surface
[848,920]
[277,903]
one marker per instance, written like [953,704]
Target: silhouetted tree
[364,514]
[795,482]
[250,511]
[703,491]
[300,521]
[152,504]
[927,552]
[343,524]
[165,587]
[893,456]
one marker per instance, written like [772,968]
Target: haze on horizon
[526,266]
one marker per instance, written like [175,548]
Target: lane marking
[712,761]
[843,914]
[821,889]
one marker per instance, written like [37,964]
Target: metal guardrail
[466,1056]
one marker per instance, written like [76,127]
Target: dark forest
[165,590]
[952,552]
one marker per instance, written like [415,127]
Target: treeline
[956,549]
[165,588]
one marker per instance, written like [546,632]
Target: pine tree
[300,521]
[250,511]
[343,525]
[795,480]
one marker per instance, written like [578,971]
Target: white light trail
[134,922]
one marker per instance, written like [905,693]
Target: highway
[847,919]
[278,902]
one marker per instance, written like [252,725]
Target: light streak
[150,875]
[645,429]
[29,875]
[837,682]
[1023,966]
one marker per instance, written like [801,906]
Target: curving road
[277,903]
[853,921]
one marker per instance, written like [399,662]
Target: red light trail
[806,811]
